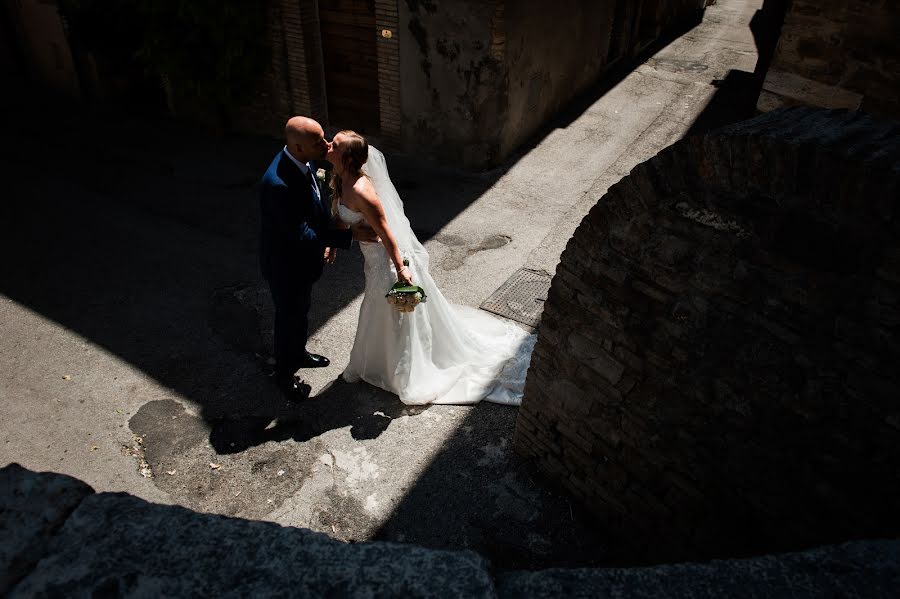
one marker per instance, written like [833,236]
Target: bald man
[295,232]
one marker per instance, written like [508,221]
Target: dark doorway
[351,63]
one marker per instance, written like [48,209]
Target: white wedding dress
[441,353]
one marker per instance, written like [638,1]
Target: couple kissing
[439,353]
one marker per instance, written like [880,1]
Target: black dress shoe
[314,361]
[295,391]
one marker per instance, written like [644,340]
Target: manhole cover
[521,297]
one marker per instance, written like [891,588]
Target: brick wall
[293,83]
[837,54]
[309,45]
[716,370]
[272,103]
[387,31]
[444,77]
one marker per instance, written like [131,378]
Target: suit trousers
[292,299]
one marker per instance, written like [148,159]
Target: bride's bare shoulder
[364,189]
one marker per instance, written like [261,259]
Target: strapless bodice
[349,216]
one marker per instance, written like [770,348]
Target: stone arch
[718,366]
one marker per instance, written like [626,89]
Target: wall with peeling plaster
[452,90]
[480,77]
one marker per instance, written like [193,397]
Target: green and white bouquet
[405,297]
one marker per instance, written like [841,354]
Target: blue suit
[294,232]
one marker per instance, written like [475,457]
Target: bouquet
[405,297]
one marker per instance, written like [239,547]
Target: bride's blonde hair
[355,154]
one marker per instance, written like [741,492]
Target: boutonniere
[320,175]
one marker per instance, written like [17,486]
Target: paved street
[132,314]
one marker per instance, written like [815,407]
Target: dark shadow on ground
[141,236]
[478,494]
[367,410]
[736,95]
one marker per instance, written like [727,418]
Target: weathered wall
[716,369]
[462,81]
[552,53]
[837,54]
[479,77]
[453,86]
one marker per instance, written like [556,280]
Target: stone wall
[479,77]
[59,538]
[837,54]
[716,371]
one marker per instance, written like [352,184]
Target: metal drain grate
[521,297]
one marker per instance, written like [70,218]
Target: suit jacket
[294,226]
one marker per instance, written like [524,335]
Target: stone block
[857,569]
[33,506]
[628,358]
[117,545]
[606,366]
[772,335]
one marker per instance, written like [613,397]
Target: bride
[439,353]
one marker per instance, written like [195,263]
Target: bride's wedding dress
[440,353]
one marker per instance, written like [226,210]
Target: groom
[295,236]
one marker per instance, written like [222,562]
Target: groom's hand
[330,255]
[364,233]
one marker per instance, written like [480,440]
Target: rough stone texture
[117,545]
[716,368]
[837,54]
[32,507]
[862,569]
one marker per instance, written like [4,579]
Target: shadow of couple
[367,410]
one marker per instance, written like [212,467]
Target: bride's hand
[404,275]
